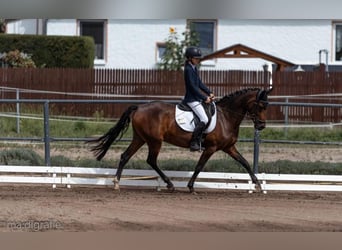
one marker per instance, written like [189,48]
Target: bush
[17,59]
[52,51]
[293,167]
[20,157]
[26,157]
[92,163]
[61,161]
[79,126]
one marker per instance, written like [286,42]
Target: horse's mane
[229,99]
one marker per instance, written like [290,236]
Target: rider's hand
[208,100]
[212,97]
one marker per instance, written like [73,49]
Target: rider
[196,93]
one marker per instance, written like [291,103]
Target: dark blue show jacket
[194,85]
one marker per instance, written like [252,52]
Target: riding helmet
[193,52]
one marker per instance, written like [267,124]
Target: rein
[252,114]
[234,112]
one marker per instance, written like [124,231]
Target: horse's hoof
[170,188]
[116,184]
[258,188]
[192,191]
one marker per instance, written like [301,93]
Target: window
[161,47]
[95,29]
[206,30]
[338,42]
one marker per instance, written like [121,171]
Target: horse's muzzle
[260,125]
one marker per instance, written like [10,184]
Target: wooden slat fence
[171,83]
[138,82]
[151,84]
[308,87]
[49,83]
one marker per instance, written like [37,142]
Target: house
[128,43]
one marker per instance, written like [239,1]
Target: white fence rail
[69,176]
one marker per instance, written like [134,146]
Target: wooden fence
[165,85]
[306,87]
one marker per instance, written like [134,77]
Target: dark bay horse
[154,123]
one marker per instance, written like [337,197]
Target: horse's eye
[260,107]
[263,105]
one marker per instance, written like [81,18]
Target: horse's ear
[261,95]
[269,91]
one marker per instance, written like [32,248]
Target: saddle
[187,120]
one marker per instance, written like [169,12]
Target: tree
[173,58]
[2,25]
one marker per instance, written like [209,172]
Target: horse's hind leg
[125,156]
[153,151]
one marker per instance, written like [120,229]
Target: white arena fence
[76,176]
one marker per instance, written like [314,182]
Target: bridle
[252,113]
[257,105]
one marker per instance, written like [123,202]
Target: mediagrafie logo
[32,225]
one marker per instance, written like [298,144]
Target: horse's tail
[113,135]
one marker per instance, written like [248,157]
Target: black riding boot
[195,144]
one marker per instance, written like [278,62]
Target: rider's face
[195,61]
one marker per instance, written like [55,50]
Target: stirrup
[194,146]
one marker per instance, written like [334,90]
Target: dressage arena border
[77,176]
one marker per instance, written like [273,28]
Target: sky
[172,9]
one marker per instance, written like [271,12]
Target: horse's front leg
[207,153]
[232,151]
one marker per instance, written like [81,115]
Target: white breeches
[199,111]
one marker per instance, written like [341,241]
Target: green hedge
[52,51]
[28,157]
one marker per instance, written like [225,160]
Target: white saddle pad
[185,120]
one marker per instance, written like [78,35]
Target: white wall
[297,41]
[132,43]
[65,27]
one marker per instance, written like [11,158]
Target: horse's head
[257,108]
